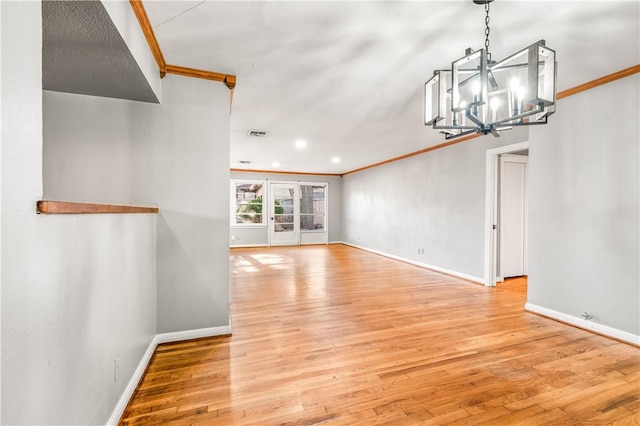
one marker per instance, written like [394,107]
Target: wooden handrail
[66,207]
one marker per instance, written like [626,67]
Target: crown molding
[560,95]
[164,68]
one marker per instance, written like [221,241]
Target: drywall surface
[77,291]
[427,208]
[259,236]
[187,156]
[174,155]
[1,139]
[92,149]
[584,209]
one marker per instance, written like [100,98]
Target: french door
[297,213]
[284,214]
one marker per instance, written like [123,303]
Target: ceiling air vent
[257,133]
[245,162]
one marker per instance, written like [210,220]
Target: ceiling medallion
[479,95]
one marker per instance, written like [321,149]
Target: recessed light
[301,144]
[275,164]
[335,160]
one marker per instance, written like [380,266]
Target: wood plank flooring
[333,335]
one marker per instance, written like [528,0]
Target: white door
[513,215]
[284,214]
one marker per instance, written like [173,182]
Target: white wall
[76,290]
[92,149]
[175,155]
[188,158]
[259,236]
[1,138]
[584,207]
[434,201]
[80,290]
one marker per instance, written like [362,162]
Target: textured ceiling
[83,52]
[346,76]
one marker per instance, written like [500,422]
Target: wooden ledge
[65,207]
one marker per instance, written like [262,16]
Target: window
[249,203]
[312,207]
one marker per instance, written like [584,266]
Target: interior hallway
[336,335]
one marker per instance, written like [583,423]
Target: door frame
[491,210]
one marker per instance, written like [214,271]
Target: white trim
[133,383]
[247,245]
[420,264]
[489,208]
[144,361]
[178,336]
[584,324]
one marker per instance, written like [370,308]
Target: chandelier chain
[487,30]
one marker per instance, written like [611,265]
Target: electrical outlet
[116,368]
[234,238]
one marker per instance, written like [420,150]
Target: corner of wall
[126,22]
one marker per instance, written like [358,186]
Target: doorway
[298,213]
[284,214]
[512,216]
[514,176]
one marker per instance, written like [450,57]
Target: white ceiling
[348,76]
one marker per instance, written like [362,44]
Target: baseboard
[247,245]
[144,361]
[445,271]
[584,324]
[178,336]
[133,383]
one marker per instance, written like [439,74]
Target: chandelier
[479,95]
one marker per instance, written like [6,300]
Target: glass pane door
[284,223]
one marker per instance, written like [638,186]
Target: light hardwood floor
[338,336]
